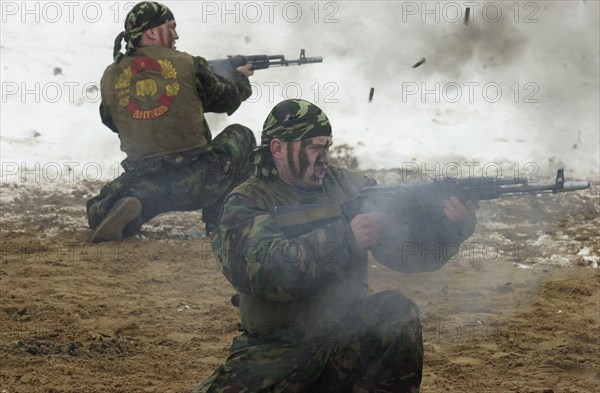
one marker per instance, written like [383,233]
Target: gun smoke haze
[364,45]
[367,44]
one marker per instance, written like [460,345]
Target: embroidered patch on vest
[146,87]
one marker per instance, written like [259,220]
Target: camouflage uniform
[307,322]
[155,99]
[190,180]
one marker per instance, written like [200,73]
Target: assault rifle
[225,67]
[414,202]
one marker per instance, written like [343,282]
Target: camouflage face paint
[303,156]
[290,160]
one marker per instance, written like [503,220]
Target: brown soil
[152,313]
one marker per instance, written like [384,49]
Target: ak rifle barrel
[529,189]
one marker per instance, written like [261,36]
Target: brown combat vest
[154,104]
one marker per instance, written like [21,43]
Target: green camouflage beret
[294,120]
[143,16]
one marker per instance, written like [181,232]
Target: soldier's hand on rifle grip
[246,69]
[366,230]
[455,210]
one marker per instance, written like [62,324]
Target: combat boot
[122,213]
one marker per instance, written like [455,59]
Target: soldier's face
[167,34]
[304,163]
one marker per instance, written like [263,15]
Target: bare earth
[517,312]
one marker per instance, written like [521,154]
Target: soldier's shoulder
[112,67]
[110,73]
[164,52]
[253,188]
[182,55]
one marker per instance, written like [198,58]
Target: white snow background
[518,86]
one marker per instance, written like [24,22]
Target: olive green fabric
[156,99]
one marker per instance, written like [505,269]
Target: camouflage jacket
[291,287]
[294,283]
[156,99]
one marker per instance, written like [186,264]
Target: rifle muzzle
[312,60]
[576,185]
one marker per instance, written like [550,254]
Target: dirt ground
[517,311]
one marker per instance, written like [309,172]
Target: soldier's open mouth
[320,170]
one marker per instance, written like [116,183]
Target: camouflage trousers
[191,180]
[377,348]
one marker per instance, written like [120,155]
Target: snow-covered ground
[518,86]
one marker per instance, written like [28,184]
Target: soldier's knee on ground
[392,303]
[393,315]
